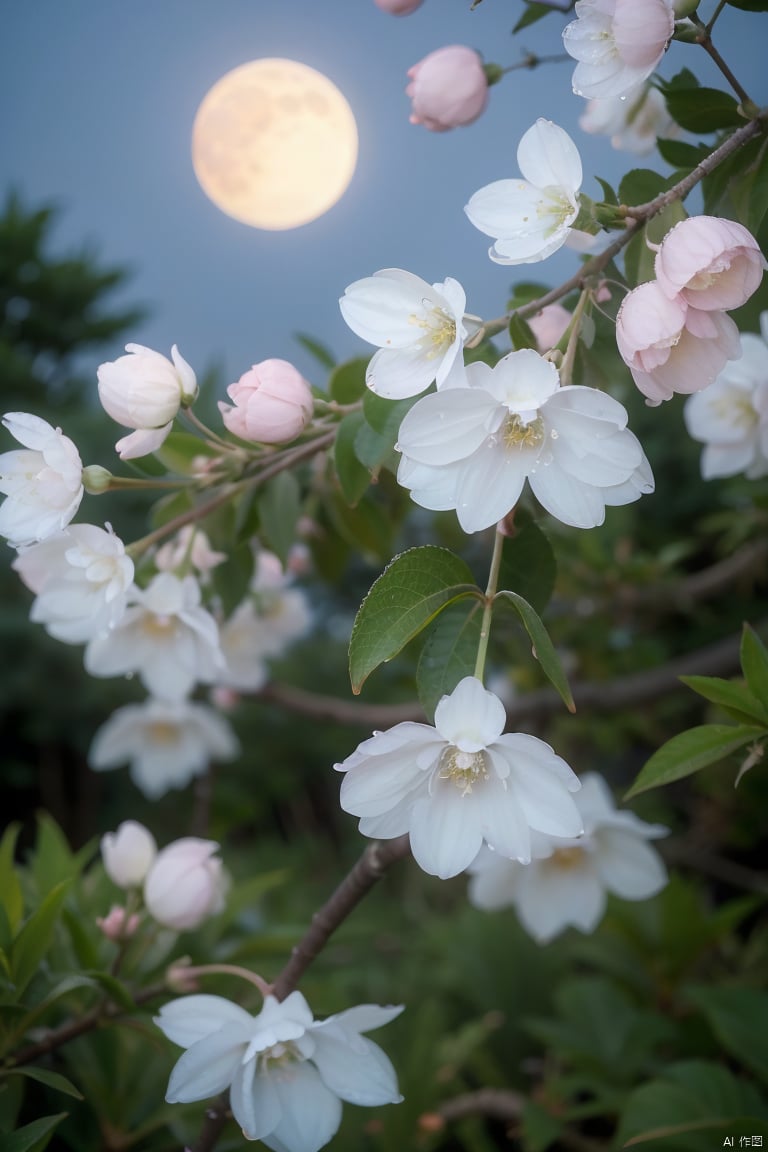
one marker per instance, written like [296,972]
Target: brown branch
[702,585]
[106,1012]
[503,1104]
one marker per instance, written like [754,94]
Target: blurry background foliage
[656,1023]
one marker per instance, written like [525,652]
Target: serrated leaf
[731,695]
[354,477]
[34,939]
[543,648]
[50,1079]
[739,1019]
[703,110]
[279,508]
[33,1137]
[347,382]
[319,351]
[10,889]
[528,564]
[449,653]
[754,664]
[411,591]
[690,751]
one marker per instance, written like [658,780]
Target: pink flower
[448,88]
[617,43]
[549,325]
[710,262]
[398,7]
[272,403]
[118,924]
[670,347]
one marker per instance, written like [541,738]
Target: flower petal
[547,157]
[192,1018]
[311,1113]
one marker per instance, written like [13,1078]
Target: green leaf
[754,664]
[354,477]
[532,14]
[640,185]
[682,155]
[347,382]
[703,110]
[10,889]
[34,939]
[33,1137]
[50,1079]
[366,526]
[749,5]
[689,751]
[609,196]
[232,579]
[168,507]
[410,592]
[526,292]
[179,449]
[731,695]
[528,564]
[385,416]
[739,1019]
[540,1128]
[520,333]
[692,1097]
[543,648]
[114,988]
[279,508]
[321,353]
[682,81]
[449,653]
[53,860]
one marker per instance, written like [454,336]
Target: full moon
[274,144]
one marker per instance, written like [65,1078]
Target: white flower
[287,1073]
[566,882]
[531,218]
[43,482]
[165,636]
[81,577]
[185,884]
[166,744]
[731,416]
[459,784]
[618,44]
[633,122]
[128,853]
[418,327]
[144,390]
[473,448]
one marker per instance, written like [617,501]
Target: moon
[274,144]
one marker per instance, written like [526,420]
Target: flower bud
[398,7]
[128,854]
[448,88]
[185,884]
[96,479]
[549,325]
[272,403]
[118,925]
[144,390]
[710,263]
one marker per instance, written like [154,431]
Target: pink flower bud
[549,325]
[117,925]
[448,88]
[128,854]
[273,403]
[185,884]
[398,7]
[670,347]
[710,262]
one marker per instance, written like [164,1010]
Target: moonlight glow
[274,144]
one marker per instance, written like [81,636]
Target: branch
[635,217]
[503,1104]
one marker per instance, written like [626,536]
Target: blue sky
[97,100]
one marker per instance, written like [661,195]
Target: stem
[705,40]
[717,12]
[532,60]
[566,368]
[279,464]
[207,432]
[117,483]
[193,971]
[490,592]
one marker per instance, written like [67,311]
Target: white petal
[400,373]
[628,866]
[378,308]
[362,1074]
[449,425]
[566,498]
[254,1102]
[311,1114]
[208,1067]
[552,898]
[548,157]
[192,1018]
[445,831]
[471,717]
[29,430]
[142,442]
[364,1017]
[505,208]
[489,484]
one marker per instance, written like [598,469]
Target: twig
[704,38]
[503,1104]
